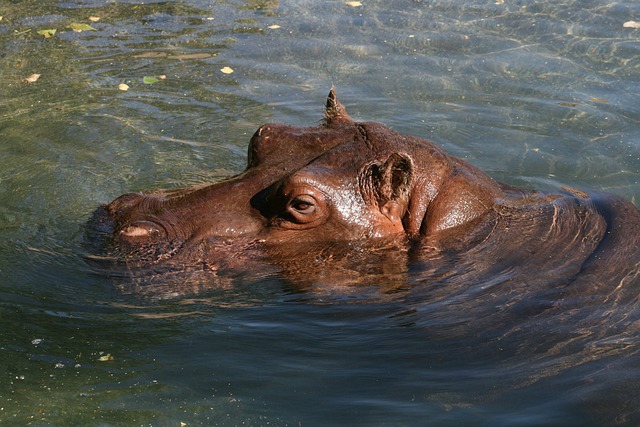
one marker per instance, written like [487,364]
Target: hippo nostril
[142,229]
[137,231]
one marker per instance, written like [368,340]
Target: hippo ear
[334,110]
[394,178]
[388,184]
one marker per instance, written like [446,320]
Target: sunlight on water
[538,94]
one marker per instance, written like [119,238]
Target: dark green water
[538,94]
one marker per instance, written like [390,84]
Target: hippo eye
[299,204]
[304,205]
[303,211]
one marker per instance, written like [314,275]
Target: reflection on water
[538,94]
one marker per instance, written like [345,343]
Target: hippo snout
[137,218]
[116,224]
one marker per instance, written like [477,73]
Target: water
[539,94]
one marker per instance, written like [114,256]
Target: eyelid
[304,192]
[305,199]
[302,208]
[311,207]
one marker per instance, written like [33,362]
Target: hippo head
[339,184]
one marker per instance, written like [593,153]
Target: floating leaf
[123,86]
[354,3]
[106,358]
[227,70]
[47,33]
[32,78]
[78,27]
[631,24]
[149,80]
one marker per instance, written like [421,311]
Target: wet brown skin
[538,283]
[346,184]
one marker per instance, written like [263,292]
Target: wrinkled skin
[350,188]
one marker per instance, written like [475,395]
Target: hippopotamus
[514,285]
[345,201]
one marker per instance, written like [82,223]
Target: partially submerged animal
[522,285]
[315,202]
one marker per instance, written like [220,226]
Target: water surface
[538,94]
